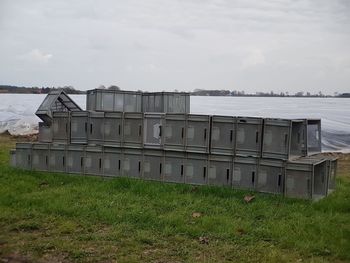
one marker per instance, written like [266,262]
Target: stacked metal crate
[153,136]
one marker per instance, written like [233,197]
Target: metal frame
[40,156]
[153,165]
[271,175]
[220,171]
[249,136]
[245,172]
[175,132]
[174,167]
[197,133]
[223,135]
[153,130]
[79,122]
[61,127]
[133,130]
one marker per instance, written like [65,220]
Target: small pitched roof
[56,100]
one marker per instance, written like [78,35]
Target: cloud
[37,56]
[254,58]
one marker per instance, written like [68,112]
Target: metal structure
[112,161]
[45,133]
[245,172]
[40,156]
[113,100]
[307,178]
[249,136]
[197,133]
[113,129]
[223,135]
[132,162]
[96,128]
[56,100]
[58,158]
[174,167]
[153,130]
[115,138]
[24,156]
[133,130]
[220,170]
[284,139]
[271,176]
[93,160]
[75,159]
[79,127]
[153,165]
[196,168]
[175,132]
[313,136]
[168,102]
[61,127]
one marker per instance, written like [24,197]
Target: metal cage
[133,130]
[40,156]
[112,161]
[175,132]
[96,128]
[196,169]
[174,167]
[197,133]
[113,129]
[153,164]
[153,130]
[248,136]
[271,176]
[75,159]
[79,127]
[132,163]
[245,172]
[61,127]
[58,158]
[45,133]
[93,160]
[24,155]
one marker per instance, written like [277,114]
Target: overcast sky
[177,44]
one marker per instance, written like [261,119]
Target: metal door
[153,128]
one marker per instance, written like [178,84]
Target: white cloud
[254,58]
[37,56]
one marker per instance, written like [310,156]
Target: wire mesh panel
[196,169]
[174,132]
[57,162]
[45,133]
[298,141]
[93,160]
[75,159]
[133,130]
[248,137]
[113,122]
[197,133]
[79,127]
[112,161]
[153,165]
[61,127]
[223,135]
[299,180]
[313,136]
[96,128]
[174,167]
[40,156]
[132,163]
[24,155]
[245,172]
[270,176]
[152,130]
[220,170]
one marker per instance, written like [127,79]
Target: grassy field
[63,218]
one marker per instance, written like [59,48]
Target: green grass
[57,217]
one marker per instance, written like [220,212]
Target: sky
[245,45]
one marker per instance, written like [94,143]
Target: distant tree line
[37,90]
[196,92]
[202,92]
